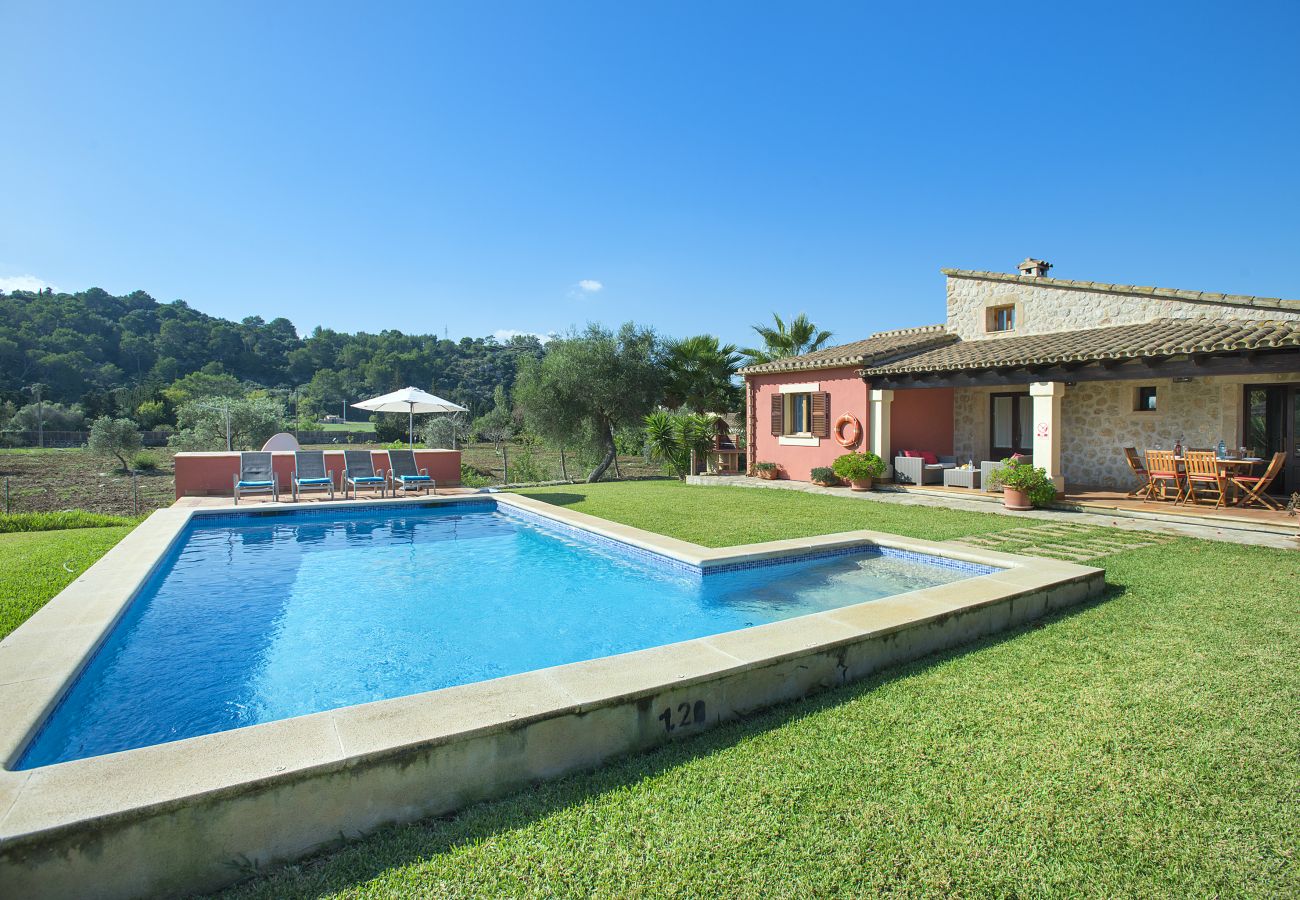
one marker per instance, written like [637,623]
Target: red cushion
[930,459]
[911,454]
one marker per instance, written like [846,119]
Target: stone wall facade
[1098,420]
[1043,307]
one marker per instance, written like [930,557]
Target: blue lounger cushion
[366,479]
[255,484]
[313,480]
[414,478]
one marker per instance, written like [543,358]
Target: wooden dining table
[1229,467]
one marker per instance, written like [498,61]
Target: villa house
[1069,372]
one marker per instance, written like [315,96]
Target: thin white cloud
[504,334]
[23,283]
[590,285]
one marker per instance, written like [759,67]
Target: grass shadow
[362,859]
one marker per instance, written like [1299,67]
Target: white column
[879,427]
[1047,428]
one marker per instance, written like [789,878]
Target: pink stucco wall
[921,419]
[848,394]
[212,474]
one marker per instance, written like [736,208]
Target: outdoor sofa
[921,467]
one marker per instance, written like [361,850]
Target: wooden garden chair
[1204,474]
[1162,470]
[1254,487]
[1144,487]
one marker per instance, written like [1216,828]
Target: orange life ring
[854,430]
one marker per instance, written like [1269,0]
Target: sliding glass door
[1011,425]
[1272,425]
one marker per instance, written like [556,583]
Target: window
[801,413]
[798,415]
[1144,400]
[1002,318]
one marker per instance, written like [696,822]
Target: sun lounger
[309,473]
[256,476]
[402,471]
[359,471]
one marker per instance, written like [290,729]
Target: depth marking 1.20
[685,715]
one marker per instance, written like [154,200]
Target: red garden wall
[212,474]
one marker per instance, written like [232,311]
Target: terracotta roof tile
[1161,337]
[880,347]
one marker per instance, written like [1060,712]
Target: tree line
[133,362]
[129,356]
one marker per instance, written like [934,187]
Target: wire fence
[65,439]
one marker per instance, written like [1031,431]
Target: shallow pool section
[251,618]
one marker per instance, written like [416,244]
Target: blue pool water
[253,618]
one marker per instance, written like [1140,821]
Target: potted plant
[858,469]
[1023,486]
[765,470]
[824,476]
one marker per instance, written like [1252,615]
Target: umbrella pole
[410,426]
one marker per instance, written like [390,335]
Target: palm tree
[700,374]
[800,337]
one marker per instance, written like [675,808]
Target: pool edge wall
[201,813]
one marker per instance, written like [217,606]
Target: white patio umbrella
[410,401]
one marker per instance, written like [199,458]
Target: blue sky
[366,166]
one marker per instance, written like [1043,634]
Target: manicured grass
[58,521]
[726,516]
[34,566]
[1139,746]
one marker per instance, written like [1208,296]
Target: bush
[825,475]
[524,466]
[858,466]
[1022,476]
[390,428]
[144,462]
[675,438]
[472,477]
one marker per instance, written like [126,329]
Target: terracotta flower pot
[767,474]
[1015,499]
[825,483]
[860,484]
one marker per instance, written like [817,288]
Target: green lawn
[725,516]
[36,565]
[345,426]
[1143,745]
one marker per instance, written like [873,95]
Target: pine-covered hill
[110,353]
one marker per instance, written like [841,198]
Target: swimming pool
[251,618]
[203,619]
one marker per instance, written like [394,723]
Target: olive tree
[588,385]
[247,422]
[114,437]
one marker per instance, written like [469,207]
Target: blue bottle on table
[1223,450]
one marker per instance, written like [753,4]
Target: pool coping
[59,822]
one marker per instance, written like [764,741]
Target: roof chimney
[1034,268]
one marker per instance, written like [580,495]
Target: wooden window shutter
[821,414]
[778,414]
